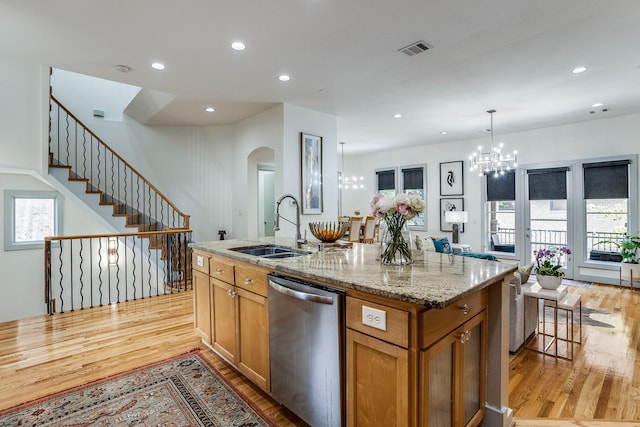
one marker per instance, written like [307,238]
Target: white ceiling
[512,55]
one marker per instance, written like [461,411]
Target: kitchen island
[440,354]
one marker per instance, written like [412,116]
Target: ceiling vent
[414,48]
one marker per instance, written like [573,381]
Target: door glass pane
[441,388]
[607,221]
[502,220]
[548,225]
[472,369]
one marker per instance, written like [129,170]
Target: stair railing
[95,270]
[73,145]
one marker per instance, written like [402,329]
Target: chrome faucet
[299,240]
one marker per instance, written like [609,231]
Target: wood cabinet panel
[223,320]
[202,305]
[453,376]
[221,269]
[200,262]
[377,382]
[397,328]
[253,337]
[437,323]
[251,278]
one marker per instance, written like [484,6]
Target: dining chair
[369,230]
[354,229]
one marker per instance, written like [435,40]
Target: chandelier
[346,183]
[494,160]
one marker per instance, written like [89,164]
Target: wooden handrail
[153,187]
[138,234]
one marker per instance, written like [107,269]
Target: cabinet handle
[465,309]
[464,337]
[218,271]
[247,281]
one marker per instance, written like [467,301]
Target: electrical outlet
[200,261]
[374,317]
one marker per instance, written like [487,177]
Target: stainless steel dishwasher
[306,349]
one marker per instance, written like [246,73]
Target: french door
[548,220]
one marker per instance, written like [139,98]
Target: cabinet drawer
[252,279]
[397,322]
[200,262]
[221,270]
[436,323]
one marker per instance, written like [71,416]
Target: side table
[550,298]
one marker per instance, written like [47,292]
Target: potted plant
[548,266]
[630,267]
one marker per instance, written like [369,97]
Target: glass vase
[395,245]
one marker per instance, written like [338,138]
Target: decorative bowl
[328,231]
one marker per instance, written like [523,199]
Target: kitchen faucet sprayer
[299,240]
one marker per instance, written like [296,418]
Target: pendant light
[492,161]
[346,183]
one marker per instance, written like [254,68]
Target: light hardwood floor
[46,354]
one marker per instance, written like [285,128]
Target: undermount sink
[270,251]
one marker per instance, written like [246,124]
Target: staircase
[145,219]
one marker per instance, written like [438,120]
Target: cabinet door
[253,337]
[453,377]
[474,370]
[377,382]
[223,319]
[201,305]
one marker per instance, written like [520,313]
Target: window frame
[400,180]
[10,197]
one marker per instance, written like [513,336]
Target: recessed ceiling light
[157,66]
[284,78]
[237,46]
[123,68]
[397,116]
[209,109]
[597,104]
[579,70]
[444,132]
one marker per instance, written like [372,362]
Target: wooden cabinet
[453,376]
[446,355]
[201,296]
[237,313]
[377,382]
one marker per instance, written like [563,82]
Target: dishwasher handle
[305,296]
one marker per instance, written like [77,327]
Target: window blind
[501,187]
[386,179]
[548,184]
[412,178]
[606,180]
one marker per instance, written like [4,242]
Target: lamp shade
[457,217]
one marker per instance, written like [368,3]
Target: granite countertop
[433,280]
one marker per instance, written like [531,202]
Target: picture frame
[310,174]
[452,178]
[447,205]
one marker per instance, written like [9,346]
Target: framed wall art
[310,174]
[451,178]
[450,205]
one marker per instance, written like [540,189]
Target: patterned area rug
[182,391]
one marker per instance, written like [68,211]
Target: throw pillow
[442,245]
[525,271]
[424,244]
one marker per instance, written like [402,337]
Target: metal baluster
[91,271]
[100,268]
[81,276]
[71,273]
[118,268]
[61,277]
[133,266]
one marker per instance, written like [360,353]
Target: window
[386,182]
[30,216]
[413,181]
[501,212]
[606,198]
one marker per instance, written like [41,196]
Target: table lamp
[455,218]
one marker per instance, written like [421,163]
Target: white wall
[22,279]
[590,139]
